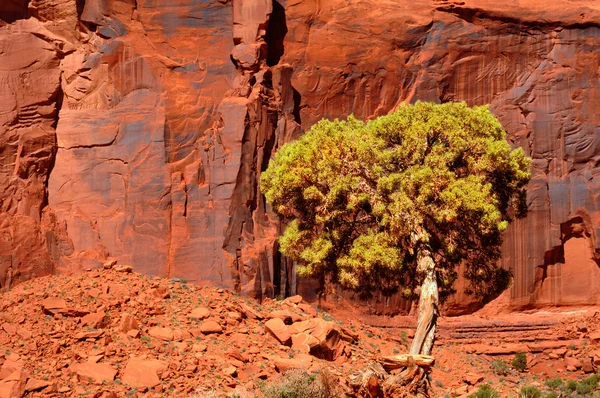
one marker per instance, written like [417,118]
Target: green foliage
[584,389]
[485,391]
[300,384]
[363,200]
[551,395]
[530,392]
[571,385]
[592,381]
[554,384]
[499,368]
[519,361]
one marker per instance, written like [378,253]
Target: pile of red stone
[113,332]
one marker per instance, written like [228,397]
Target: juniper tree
[400,202]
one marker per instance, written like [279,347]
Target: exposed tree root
[408,377]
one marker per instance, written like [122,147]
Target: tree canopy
[363,202]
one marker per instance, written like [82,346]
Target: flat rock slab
[164,334]
[143,372]
[94,372]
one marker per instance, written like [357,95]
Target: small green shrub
[571,385]
[485,391]
[554,384]
[300,384]
[530,392]
[499,368]
[551,395]
[592,381]
[519,361]
[584,389]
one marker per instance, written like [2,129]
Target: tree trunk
[428,306]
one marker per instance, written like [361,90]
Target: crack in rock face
[137,131]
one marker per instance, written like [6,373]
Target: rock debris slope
[137,130]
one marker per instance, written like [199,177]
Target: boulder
[211,327]
[164,334]
[279,330]
[97,373]
[143,372]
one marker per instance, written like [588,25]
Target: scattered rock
[122,268]
[127,323]
[94,372]
[279,330]
[210,327]
[200,313]
[472,379]
[164,334]
[52,306]
[143,372]
[300,361]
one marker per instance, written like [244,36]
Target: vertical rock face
[138,130]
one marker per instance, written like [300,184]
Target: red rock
[180,334]
[200,313]
[36,385]
[94,372]
[9,329]
[109,264]
[249,312]
[587,365]
[210,327]
[96,320]
[73,312]
[24,333]
[122,268]
[297,299]
[594,337]
[92,334]
[472,379]
[279,330]
[53,305]
[230,371]
[13,386]
[9,367]
[308,309]
[299,361]
[143,372]
[326,333]
[127,323]
[165,334]
[304,342]
[161,292]
[572,362]
[134,333]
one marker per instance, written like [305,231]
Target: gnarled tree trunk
[428,306]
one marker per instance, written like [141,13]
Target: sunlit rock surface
[137,130]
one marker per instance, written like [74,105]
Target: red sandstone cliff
[137,130]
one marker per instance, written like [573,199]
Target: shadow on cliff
[13,10]
[275,35]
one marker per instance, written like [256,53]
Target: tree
[400,202]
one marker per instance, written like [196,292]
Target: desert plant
[571,385]
[554,384]
[399,202]
[530,392]
[551,395]
[592,381]
[300,384]
[485,391]
[519,361]
[499,368]
[584,389]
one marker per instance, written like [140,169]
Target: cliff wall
[137,130]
